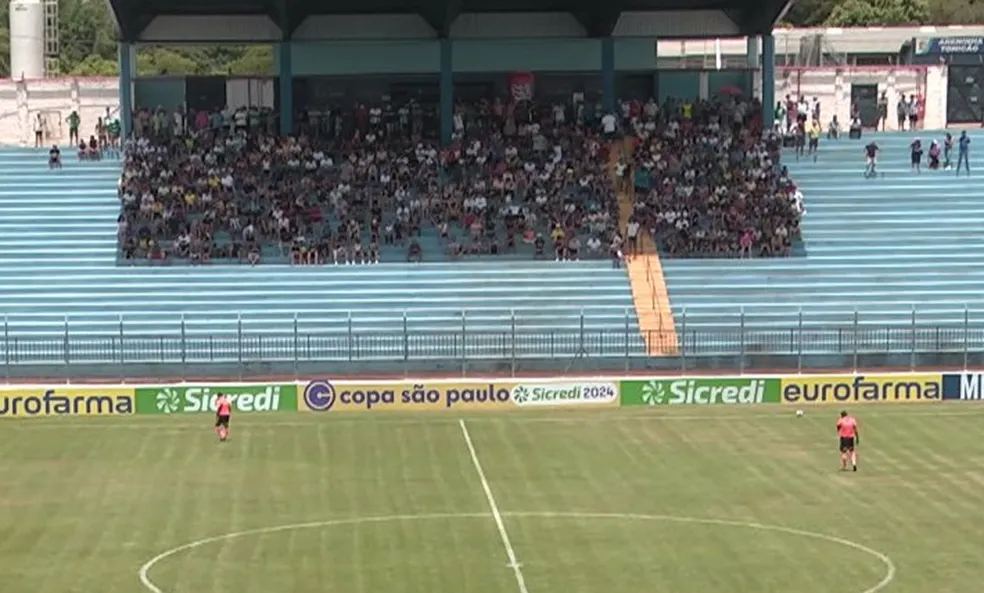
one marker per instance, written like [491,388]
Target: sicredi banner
[575,393]
[188,399]
[963,386]
[65,400]
[834,389]
[700,391]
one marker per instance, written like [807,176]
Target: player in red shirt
[223,409]
[847,430]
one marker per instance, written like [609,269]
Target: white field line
[890,569]
[494,508]
[643,415]
[144,573]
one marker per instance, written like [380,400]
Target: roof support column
[286,82]
[447,91]
[768,81]
[752,45]
[608,74]
[128,59]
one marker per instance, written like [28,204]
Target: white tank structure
[26,39]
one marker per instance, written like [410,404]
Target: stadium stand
[185,180]
[61,284]
[897,255]
[530,183]
[81,308]
[60,280]
[708,182]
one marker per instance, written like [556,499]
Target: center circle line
[890,568]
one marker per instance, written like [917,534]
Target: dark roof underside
[597,17]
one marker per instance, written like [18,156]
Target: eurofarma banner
[350,396]
[700,391]
[64,400]
[833,389]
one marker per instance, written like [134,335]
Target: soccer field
[689,500]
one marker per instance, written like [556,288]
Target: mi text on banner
[831,389]
[61,400]
[699,390]
[323,396]
[963,386]
[187,399]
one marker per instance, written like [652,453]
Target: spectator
[355,180]
[73,127]
[711,184]
[54,158]
[39,126]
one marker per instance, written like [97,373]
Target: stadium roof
[597,18]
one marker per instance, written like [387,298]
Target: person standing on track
[963,150]
[871,160]
[916,150]
[814,133]
[847,430]
[223,410]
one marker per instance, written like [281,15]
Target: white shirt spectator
[608,123]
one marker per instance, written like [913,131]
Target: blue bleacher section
[884,253]
[63,296]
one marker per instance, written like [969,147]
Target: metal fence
[239,349]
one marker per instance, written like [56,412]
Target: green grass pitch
[612,501]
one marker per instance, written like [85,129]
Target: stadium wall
[833,86]
[55,98]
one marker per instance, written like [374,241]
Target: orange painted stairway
[652,303]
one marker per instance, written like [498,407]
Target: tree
[809,13]
[165,62]
[95,65]
[872,13]
[255,61]
[85,29]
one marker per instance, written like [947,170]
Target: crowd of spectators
[708,180]
[355,184]
[534,180]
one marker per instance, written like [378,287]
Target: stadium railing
[242,349]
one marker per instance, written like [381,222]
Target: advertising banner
[833,389]
[187,399]
[63,400]
[963,386]
[560,394]
[342,396]
[952,45]
[700,391]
